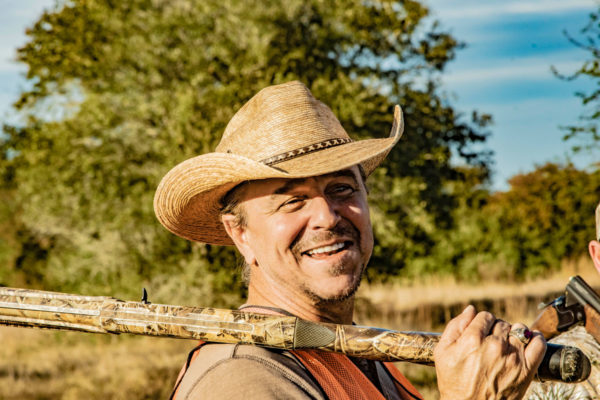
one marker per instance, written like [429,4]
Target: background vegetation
[122,91]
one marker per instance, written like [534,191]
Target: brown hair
[230,204]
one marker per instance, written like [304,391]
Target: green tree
[587,131]
[123,91]
[546,217]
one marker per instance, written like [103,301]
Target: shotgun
[578,305]
[97,314]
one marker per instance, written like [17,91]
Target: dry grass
[406,296]
[36,364]
[379,302]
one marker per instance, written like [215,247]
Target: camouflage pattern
[108,315]
[587,390]
[41,309]
[32,308]
[383,344]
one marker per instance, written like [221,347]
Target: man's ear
[594,248]
[239,235]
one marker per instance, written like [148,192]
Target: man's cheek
[285,231]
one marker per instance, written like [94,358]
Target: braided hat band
[281,132]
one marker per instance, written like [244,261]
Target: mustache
[343,229]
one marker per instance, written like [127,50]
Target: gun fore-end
[547,322]
[367,342]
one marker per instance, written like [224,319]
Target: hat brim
[188,199]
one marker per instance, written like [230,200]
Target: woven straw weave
[281,132]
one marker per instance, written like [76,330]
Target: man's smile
[328,249]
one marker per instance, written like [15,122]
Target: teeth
[326,249]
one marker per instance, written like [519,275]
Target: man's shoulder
[235,371]
[213,354]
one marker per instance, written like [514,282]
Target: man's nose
[324,214]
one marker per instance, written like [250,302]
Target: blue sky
[503,71]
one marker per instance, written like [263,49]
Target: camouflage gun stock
[40,309]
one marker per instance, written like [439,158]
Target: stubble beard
[338,298]
[341,230]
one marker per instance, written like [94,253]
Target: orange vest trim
[337,375]
[341,379]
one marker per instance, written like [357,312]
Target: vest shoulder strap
[402,384]
[340,379]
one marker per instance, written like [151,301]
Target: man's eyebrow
[292,183]
[289,185]
[345,172]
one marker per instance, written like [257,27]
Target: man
[576,336]
[286,186]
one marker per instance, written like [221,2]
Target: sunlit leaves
[587,130]
[153,82]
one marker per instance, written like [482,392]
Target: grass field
[38,364]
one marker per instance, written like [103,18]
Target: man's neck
[339,312]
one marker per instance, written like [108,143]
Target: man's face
[310,237]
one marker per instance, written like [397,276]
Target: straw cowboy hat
[281,132]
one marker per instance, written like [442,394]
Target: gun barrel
[32,308]
[583,292]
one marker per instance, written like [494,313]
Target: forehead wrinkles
[270,189]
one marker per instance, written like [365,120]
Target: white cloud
[530,68]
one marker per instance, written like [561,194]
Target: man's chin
[329,296]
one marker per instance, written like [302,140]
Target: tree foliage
[123,91]
[546,217]
[588,129]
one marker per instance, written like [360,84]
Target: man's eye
[292,203]
[343,190]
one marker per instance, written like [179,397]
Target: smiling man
[312,239]
[286,186]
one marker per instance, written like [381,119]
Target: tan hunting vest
[337,375]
